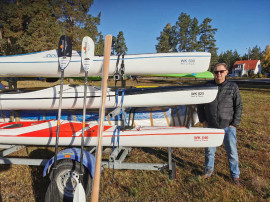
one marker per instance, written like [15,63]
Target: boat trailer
[115,160]
[68,161]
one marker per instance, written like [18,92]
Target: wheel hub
[67,182]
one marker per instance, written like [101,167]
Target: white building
[246,67]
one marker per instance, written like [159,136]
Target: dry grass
[25,183]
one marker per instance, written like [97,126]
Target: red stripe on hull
[66,130]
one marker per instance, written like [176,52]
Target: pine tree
[229,57]
[194,33]
[182,29]
[183,36]
[207,40]
[256,53]
[29,26]
[114,39]
[236,56]
[13,26]
[221,57]
[166,40]
[99,49]
[43,29]
[120,44]
[75,19]
[214,60]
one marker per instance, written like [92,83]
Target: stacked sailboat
[46,64]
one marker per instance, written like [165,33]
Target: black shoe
[236,181]
[207,173]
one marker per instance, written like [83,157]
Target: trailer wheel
[67,178]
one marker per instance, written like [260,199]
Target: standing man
[225,113]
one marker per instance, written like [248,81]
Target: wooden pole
[107,54]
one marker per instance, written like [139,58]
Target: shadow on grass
[196,170]
[163,155]
[40,183]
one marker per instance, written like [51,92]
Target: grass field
[25,183]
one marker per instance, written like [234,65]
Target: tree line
[255,53]
[31,26]
[187,35]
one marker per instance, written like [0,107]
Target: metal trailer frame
[115,161]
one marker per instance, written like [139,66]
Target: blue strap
[118,135]
[113,137]
[118,129]
[122,101]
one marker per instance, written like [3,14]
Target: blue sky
[241,23]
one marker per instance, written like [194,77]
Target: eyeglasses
[221,71]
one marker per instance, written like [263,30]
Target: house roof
[249,64]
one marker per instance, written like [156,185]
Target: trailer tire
[67,178]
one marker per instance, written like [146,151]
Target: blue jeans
[231,149]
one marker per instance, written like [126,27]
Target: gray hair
[221,64]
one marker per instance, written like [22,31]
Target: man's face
[220,74]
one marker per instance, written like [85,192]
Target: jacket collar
[222,84]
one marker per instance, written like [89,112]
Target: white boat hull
[44,133]
[73,98]
[45,64]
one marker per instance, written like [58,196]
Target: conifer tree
[120,44]
[166,41]
[184,35]
[13,25]
[182,29]
[29,26]
[114,39]
[256,53]
[229,57]
[194,33]
[99,48]
[43,29]
[236,56]
[76,20]
[207,40]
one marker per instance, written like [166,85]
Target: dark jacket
[225,110]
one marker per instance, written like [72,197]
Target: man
[224,112]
